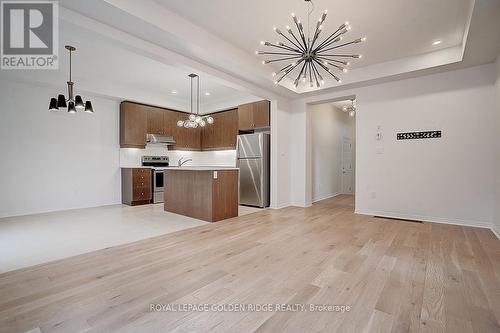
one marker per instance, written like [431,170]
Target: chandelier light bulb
[192,117]
[210,120]
[288,28]
[180,123]
[197,119]
[345,70]
[202,123]
[262,42]
[273,74]
[293,14]
[363,39]
[352,113]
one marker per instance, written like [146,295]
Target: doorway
[333,142]
[347,180]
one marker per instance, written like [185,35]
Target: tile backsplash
[131,157]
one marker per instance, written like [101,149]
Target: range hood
[160,139]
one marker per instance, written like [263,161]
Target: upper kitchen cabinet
[133,125]
[254,115]
[155,120]
[185,138]
[222,133]
[170,119]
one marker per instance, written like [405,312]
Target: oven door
[158,181]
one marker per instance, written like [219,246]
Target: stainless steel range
[157,163]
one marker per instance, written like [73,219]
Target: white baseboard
[280,205]
[328,196]
[433,219]
[496,231]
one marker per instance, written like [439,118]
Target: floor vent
[394,218]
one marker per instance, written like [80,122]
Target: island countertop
[205,193]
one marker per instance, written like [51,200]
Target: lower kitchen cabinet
[136,186]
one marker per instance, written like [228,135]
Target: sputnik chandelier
[75,103]
[308,54]
[194,119]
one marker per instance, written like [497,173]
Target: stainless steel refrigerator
[253,160]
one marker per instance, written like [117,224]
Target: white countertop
[187,168]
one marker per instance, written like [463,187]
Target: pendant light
[194,119]
[73,104]
[305,56]
[350,108]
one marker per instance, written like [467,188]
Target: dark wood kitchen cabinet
[136,120]
[155,120]
[222,133]
[209,195]
[136,186]
[185,138]
[254,115]
[133,125]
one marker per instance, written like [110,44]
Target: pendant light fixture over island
[194,119]
[73,104]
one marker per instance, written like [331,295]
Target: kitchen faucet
[181,162]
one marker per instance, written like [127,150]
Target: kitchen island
[205,193]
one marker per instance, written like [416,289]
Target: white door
[347,167]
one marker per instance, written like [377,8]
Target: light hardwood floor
[396,276]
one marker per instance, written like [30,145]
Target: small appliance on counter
[156,163]
[253,160]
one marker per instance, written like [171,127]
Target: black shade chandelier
[194,119]
[73,104]
[308,54]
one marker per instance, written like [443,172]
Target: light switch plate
[215,174]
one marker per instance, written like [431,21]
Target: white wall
[497,178]
[443,180]
[329,126]
[131,157]
[55,160]
[280,154]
